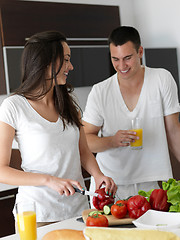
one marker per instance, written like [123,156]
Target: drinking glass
[136,126]
[26,220]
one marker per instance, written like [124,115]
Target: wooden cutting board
[111,219]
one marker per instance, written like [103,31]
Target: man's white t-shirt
[48,149]
[106,107]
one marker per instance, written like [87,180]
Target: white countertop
[66,224]
[5,187]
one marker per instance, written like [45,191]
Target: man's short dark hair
[124,34]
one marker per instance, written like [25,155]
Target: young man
[134,91]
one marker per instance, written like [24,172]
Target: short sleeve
[170,95]
[92,113]
[8,113]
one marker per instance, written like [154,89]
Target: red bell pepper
[137,206]
[102,199]
[158,200]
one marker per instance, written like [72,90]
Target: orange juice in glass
[137,127]
[26,220]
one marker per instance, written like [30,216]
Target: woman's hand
[110,186]
[63,186]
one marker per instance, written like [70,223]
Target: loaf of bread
[64,234]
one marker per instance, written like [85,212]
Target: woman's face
[66,67]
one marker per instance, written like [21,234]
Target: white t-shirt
[45,148]
[106,108]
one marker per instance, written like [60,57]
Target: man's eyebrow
[67,55]
[114,57]
[128,56]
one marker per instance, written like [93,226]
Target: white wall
[158,22]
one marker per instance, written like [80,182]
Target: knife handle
[79,191]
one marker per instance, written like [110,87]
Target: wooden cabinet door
[22,19]
[7,223]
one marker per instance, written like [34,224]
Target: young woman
[45,121]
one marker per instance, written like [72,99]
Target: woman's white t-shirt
[106,108]
[45,148]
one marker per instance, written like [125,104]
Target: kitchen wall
[157,22]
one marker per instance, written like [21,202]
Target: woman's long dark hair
[41,50]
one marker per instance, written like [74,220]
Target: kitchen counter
[6,187]
[66,224]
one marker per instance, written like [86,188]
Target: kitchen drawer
[7,200]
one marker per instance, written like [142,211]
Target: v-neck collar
[38,115]
[140,99]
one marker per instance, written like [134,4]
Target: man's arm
[173,133]
[96,143]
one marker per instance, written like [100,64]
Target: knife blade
[85,192]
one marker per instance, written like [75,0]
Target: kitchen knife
[84,192]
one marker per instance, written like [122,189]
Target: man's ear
[140,51]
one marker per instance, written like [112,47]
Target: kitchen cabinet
[163,58]
[21,19]
[7,200]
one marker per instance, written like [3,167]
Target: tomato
[119,210]
[122,201]
[97,220]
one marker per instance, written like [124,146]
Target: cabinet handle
[7,197]
[87,179]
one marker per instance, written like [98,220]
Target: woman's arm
[89,163]
[9,175]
